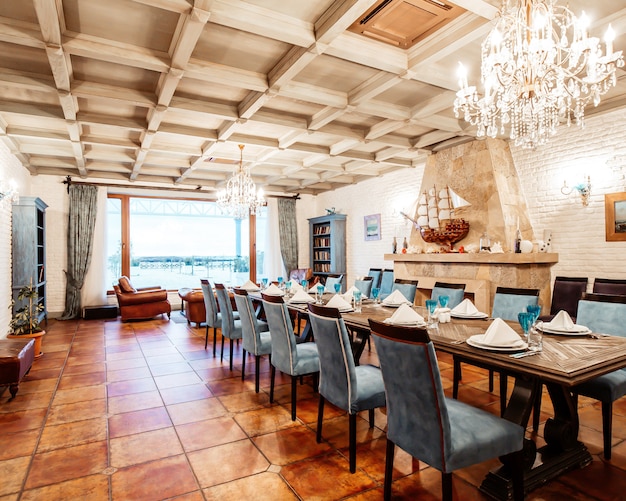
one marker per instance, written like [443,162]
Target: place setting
[395,300]
[337,301]
[498,337]
[563,325]
[466,310]
[406,316]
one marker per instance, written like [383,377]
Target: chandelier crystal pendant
[540,68]
[240,197]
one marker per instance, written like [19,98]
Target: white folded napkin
[465,307]
[396,297]
[313,288]
[301,297]
[250,286]
[561,322]
[349,294]
[272,290]
[500,334]
[295,286]
[339,302]
[405,315]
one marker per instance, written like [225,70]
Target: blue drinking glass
[535,309]
[265,282]
[443,301]
[525,320]
[337,288]
[431,304]
[375,293]
[304,284]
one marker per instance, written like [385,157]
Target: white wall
[10,170]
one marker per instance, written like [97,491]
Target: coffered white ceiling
[161,92]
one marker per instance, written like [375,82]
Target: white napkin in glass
[272,290]
[405,315]
[500,334]
[561,322]
[301,297]
[465,307]
[348,295]
[396,297]
[250,286]
[339,302]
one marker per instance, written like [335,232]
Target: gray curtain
[288,232]
[82,219]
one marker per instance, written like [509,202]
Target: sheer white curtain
[273,261]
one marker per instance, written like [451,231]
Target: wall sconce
[583,189]
[9,191]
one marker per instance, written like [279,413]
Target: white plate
[393,305]
[547,330]
[407,324]
[469,317]
[478,344]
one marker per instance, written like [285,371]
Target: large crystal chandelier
[539,69]
[240,197]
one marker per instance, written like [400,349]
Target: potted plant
[25,321]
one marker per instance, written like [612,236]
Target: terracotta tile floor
[140,411]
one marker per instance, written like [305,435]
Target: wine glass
[431,304]
[265,281]
[304,284]
[319,295]
[535,309]
[443,301]
[337,287]
[525,320]
[375,293]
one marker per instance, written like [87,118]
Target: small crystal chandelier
[240,197]
[539,69]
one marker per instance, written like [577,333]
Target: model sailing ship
[436,220]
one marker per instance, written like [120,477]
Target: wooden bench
[16,359]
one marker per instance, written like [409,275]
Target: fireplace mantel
[481,273]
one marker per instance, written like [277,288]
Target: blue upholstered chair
[364,284]
[256,336]
[349,387]
[442,432]
[408,288]
[288,356]
[331,280]
[604,313]
[386,283]
[213,316]
[376,274]
[231,327]
[455,292]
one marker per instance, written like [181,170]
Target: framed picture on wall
[372,227]
[615,216]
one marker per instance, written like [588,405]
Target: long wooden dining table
[564,362]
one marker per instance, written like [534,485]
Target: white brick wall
[10,170]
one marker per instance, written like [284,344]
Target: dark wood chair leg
[214,339]
[352,445]
[391,447]
[272,377]
[517,465]
[222,352]
[537,409]
[294,389]
[243,365]
[456,378]
[446,486]
[257,372]
[503,391]
[371,418]
[320,418]
[206,339]
[232,342]
[607,427]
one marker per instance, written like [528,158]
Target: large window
[173,243]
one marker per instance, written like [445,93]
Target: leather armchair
[141,303]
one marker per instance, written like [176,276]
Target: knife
[524,354]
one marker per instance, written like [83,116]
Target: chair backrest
[364,284]
[250,330]
[331,280]
[210,305]
[603,313]
[376,274]
[284,353]
[408,288]
[609,286]
[508,302]
[566,293]
[338,381]
[386,283]
[226,311]
[456,292]
[417,414]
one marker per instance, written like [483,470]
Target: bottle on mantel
[518,240]
[394,246]
[405,245]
